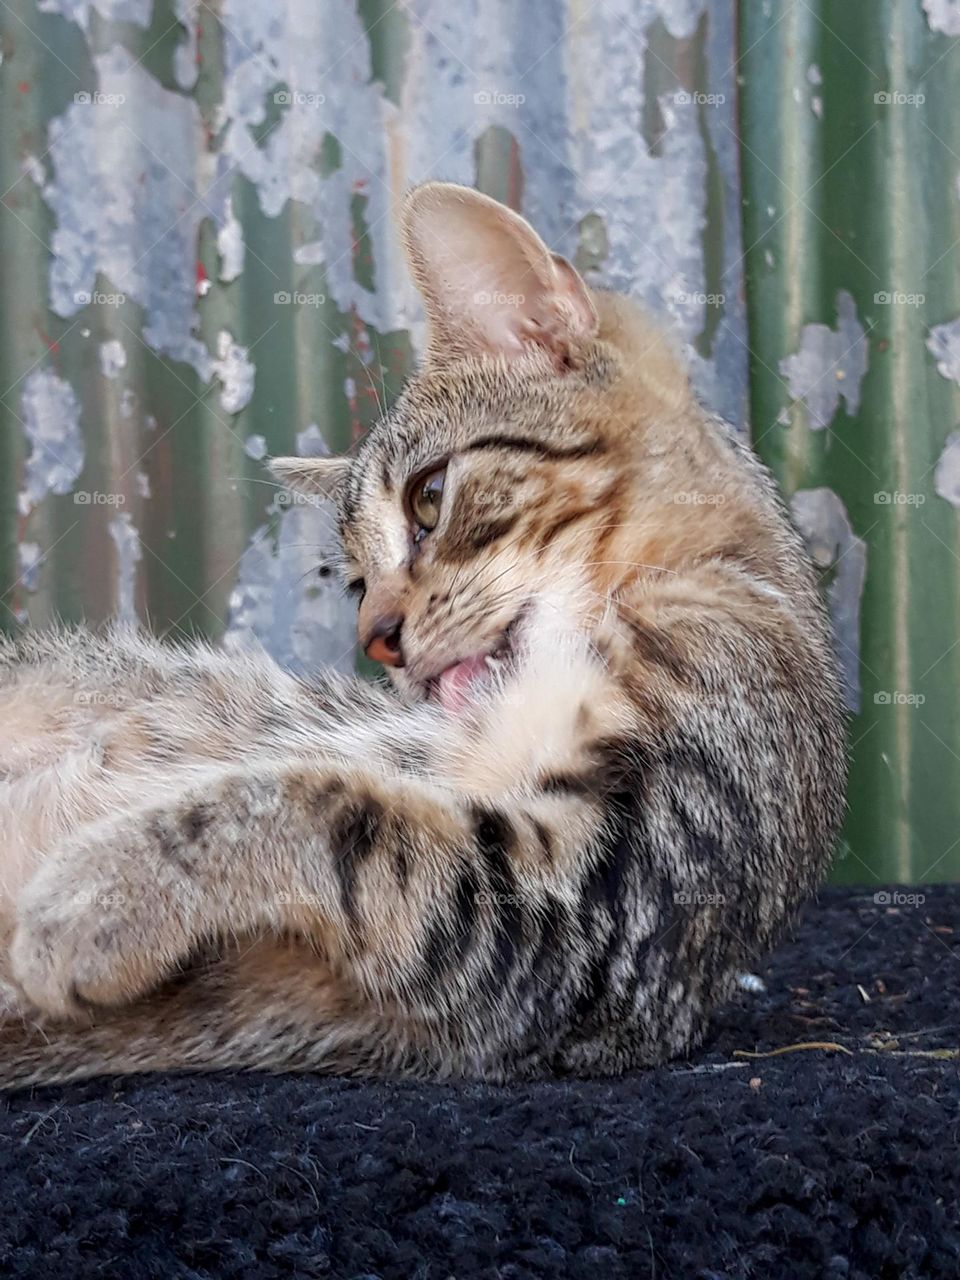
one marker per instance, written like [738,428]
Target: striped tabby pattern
[609,768]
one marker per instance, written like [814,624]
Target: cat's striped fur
[208,863]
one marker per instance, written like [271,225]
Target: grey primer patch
[944,342]
[829,365]
[236,372]
[113,358]
[141,236]
[822,519]
[946,478]
[311,444]
[126,539]
[283,603]
[51,421]
[31,166]
[78,11]
[943,15]
[230,245]
[31,561]
[185,66]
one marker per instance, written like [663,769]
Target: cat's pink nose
[383,641]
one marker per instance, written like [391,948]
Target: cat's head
[491,499]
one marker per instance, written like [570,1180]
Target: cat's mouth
[457,685]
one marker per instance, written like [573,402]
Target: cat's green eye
[426,494]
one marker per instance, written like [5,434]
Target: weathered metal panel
[851,152]
[200,265]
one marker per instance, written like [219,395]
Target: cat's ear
[488,281]
[315,477]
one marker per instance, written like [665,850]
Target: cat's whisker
[633,564]
[496,555]
[380,399]
[332,560]
[274,484]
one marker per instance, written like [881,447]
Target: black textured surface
[812,1163]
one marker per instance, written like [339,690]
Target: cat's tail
[151,1036]
[271,1006]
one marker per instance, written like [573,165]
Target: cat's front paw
[85,938]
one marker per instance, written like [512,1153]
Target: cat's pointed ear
[488,281]
[315,477]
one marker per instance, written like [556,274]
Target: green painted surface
[865,199]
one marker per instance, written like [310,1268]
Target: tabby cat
[610,767]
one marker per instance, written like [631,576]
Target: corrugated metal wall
[199,269]
[851,168]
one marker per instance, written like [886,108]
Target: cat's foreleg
[417,893]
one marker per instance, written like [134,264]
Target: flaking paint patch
[30,559]
[836,550]
[310,254]
[113,358]
[185,65]
[943,15]
[230,245]
[50,413]
[724,378]
[282,602]
[129,207]
[78,11]
[126,539]
[680,17]
[311,444]
[31,167]
[291,50]
[943,342]
[946,476]
[830,365]
[235,371]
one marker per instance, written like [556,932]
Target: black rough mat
[812,1163]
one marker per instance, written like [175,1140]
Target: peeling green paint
[274,110]
[593,245]
[676,76]
[331,155]
[863,199]
[388,32]
[498,170]
[363,268]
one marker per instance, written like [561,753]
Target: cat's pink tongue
[456,683]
